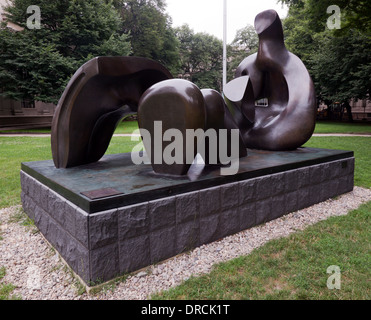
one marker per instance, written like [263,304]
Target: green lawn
[343,127]
[124,127]
[293,268]
[362,152]
[321,127]
[287,268]
[14,150]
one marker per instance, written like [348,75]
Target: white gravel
[39,274]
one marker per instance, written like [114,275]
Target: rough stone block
[77,256]
[188,235]
[103,229]
[315,194]
[264,188]
[25,182]
[263,211]
[346,184]
[335,169]
[82,227]
[106,263]
[303,177]
[134,253]
[69,219]
[187,207]
[162,213]
[229,222]
[56,207]
[209,228]
[304,199]
[278,208]
[34,190]
[29,205]
[247,215]
[44,197]
[133,221]
[291,199]
[209,201]
[229,196]
[316,174]
[278,182]
[41,220]
[291,181]
[247,191]
[162,244]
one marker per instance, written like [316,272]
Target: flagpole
[225,43]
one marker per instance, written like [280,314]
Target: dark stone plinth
[147,218]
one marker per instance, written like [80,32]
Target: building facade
[22,114]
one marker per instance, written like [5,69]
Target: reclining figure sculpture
[106,89]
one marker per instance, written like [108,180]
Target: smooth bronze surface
[106,89]
[102,92]
[281,77]
[176,104]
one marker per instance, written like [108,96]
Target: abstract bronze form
[281,77]
[100,94]
[106,89]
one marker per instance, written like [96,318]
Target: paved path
[47,135]
[42,135]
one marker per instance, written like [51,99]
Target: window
[28,104]
[262,103]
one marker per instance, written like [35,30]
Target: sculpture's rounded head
[264,20]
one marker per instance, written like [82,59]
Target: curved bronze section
[176,104]
[219,116]
[281,77]
[98,96]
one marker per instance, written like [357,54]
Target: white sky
[207,15]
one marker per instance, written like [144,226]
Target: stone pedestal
[112,217]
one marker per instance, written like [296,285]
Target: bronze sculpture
[277,74]
[100,94]
[106,89]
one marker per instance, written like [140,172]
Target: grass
[6,288]
[124,127]
[288,268]
[362,152]
[343,127]
[14,150]
[293,268]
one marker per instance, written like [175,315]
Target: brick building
[22,114]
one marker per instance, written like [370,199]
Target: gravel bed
[39,274]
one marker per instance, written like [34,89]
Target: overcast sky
[207,15]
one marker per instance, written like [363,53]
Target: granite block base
[158,220]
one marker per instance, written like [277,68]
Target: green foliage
[245,43]
[36,64]
[342,68]
[338,60]
[201,58]
[32,69]
[150,31]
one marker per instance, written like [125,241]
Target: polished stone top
[115,181]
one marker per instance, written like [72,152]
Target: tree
[355,14]
[201,57]
[245,43]
[36,64]
[150,30]
[342,67]
[338,60]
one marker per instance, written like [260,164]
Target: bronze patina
[106,89]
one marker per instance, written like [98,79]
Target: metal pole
[225,43]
